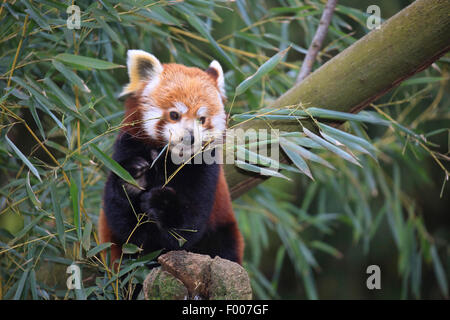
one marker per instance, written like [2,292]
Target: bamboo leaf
[67,105]
[75,196]
[36,16]
[421,80]
[70,75]
[331,139]
[322,246]
[339,134]
[114,166]
[265,68]
[58,215]
[35,115]
[97,249]
[291,9]
[339,115]
[130,248]
[198,25]
[31,195]
[439,271]
[295,158]
[159,155]
[23,158]
[268,117]
[300,138]
[41,101]
[149,256]
[141,261]
[259,170]
[341,153]
[86,239]
[105,27]
[21,284]
[306,154]
[33,285]
[27,228]
[245,154]
[340,141]
[310,286]
[82,63]
[110,9]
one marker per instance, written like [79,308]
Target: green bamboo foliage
[60,114]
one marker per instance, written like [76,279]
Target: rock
[191,268]
[185,275]
[161,285]
[228,281]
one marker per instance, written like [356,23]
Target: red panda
[165,104]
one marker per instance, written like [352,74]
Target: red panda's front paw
[137,167]
[163,205]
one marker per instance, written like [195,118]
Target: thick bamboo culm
[405,44]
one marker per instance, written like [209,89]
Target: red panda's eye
[202,120]
[174,115]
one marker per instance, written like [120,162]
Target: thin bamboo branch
[317,41]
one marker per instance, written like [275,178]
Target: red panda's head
[174,103]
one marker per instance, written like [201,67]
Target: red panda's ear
[216,72]
[142,67]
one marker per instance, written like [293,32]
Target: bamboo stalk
[317,41]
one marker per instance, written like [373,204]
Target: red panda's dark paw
[137,167]
[163,205]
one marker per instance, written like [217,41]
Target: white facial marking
[181,107]
[151,115]
[218,122]
[202,111]
[176,131]
[151,85]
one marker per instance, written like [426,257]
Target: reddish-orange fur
[181,83]
[105,235]
[222,213]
